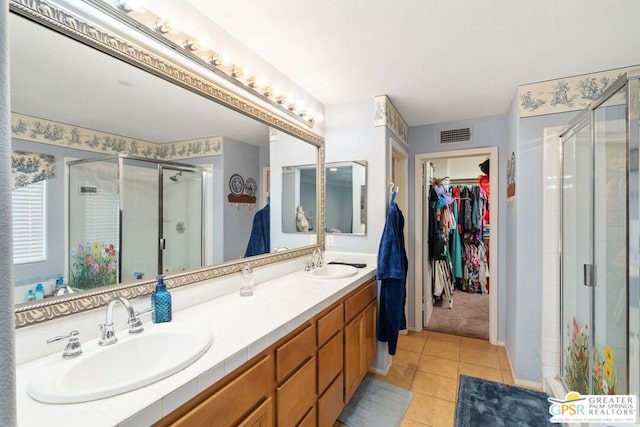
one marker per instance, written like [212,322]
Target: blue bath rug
[487,403]
[376,404]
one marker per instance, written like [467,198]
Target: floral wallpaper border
[567,94]
[29,168]
[386,114]
[61,134]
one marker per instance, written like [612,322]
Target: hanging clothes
[260,237]
[456,245]
[392,272]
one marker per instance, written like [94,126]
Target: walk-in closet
[457,224]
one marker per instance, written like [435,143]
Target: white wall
[287,150]
[350,135]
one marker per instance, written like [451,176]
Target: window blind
[101,217]
[29,223]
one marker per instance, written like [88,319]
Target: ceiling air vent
[451,136]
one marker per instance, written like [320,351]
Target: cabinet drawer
[262,416]
[356,303]
[330,404]
[226,406]
[297,395]
[291,354]
[309,420]
[330,323]
[329,362]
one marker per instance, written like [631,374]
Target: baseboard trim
[379,371]
[528,384]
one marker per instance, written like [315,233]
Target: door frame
[492,153]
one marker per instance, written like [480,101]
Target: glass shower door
[577,226]
[610,330]
[595,260]
[139,183]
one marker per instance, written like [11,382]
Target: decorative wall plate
[236,184]
[251,186]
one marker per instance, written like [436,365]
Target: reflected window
[29,224]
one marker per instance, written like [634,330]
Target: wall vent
[451,136]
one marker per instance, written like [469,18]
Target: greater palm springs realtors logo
[593,408]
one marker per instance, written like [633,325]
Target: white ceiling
[438,60]
[56,78]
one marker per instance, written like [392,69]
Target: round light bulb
[204,41]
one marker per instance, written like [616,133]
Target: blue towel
[260,238]
[392,272]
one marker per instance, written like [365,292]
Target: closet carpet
[468,317]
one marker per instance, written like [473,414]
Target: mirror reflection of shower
[133,215]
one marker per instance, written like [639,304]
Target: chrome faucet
[108,335]
[317,259]
[73,348]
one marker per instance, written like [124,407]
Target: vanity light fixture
[199,45]
[131,6]
[162,26]
[192,44]
[333,169]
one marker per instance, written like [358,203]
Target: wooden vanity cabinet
[359,337]
[235,402]
[303,380]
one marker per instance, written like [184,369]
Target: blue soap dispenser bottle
[39,294]
[161,302]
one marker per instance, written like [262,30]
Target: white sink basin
[134,361]
[332,271]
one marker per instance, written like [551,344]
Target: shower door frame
[587,118]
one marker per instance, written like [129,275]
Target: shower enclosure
[600,252]
[130,217]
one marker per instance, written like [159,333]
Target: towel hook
[391,185]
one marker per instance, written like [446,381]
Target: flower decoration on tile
[605,373]
[94,265]
[577,364]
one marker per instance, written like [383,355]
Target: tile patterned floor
[428,363]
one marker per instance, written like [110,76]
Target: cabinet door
[352,355]
[262,416]
[370,341]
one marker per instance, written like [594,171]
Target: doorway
[475,286]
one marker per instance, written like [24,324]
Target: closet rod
[463,181]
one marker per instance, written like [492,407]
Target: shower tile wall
[550,353]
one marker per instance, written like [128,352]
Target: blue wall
[524,341]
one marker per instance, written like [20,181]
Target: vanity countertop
[241,327]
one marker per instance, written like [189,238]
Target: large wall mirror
[345,198]
[120,175]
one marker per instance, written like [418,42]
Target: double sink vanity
[291,354]
[294,352]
